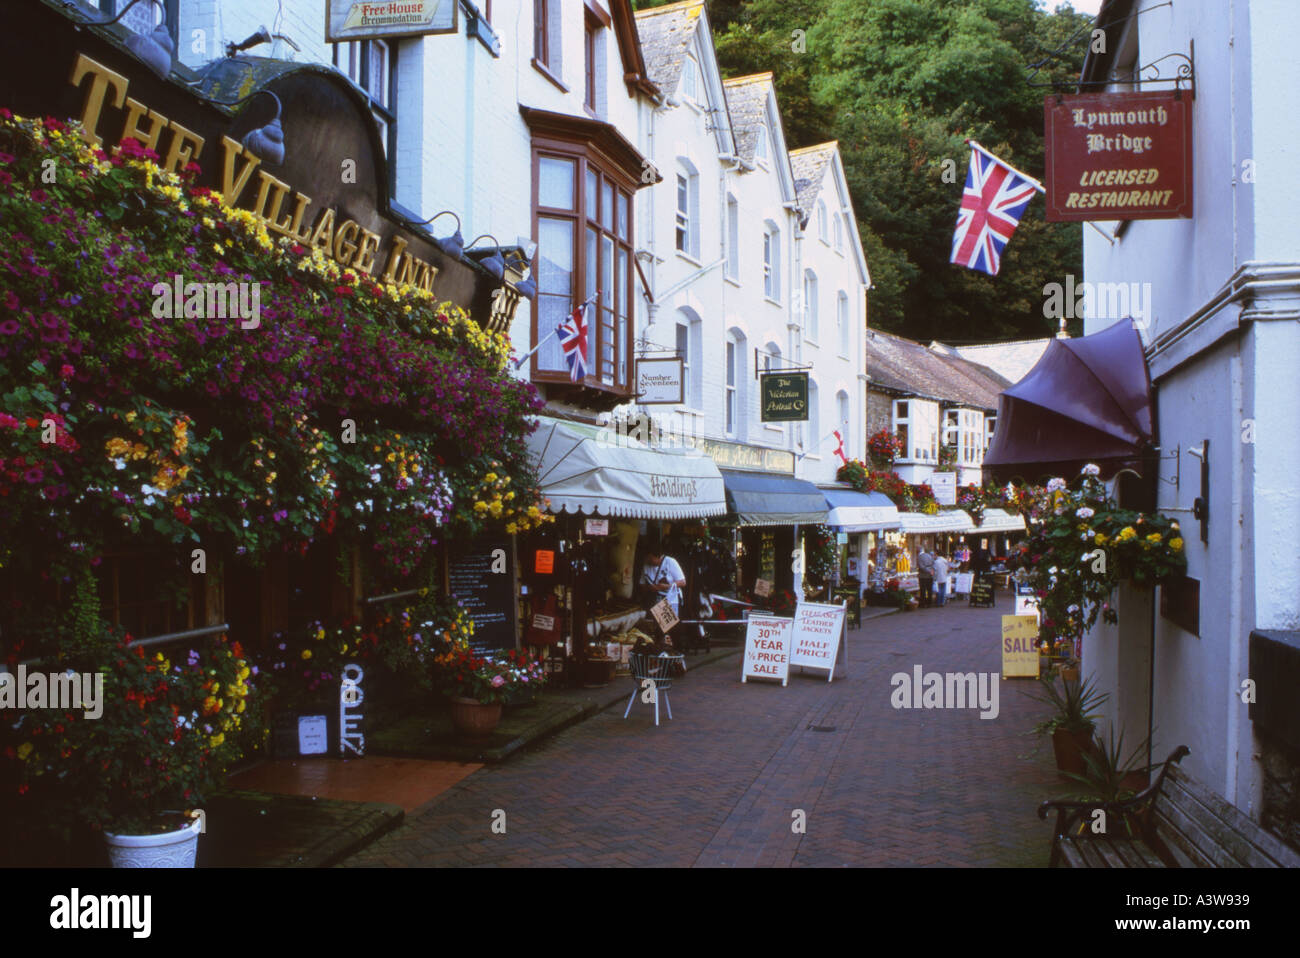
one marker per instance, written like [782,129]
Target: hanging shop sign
[817,635]
[1019,646]
[734,455]
[660,382]
[767,648]
[325,190]
[363,19]
[483,579]
[1118,156]
[783,397]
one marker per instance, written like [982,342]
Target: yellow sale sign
[1020,646]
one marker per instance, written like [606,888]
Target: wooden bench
[1176,822]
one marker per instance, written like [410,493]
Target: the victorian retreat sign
[660,382]
[783,397]
[358,19]
[1119,156]
[734,455]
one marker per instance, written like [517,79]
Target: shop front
[615,498]
[861,519]
[255,240]
[940,532]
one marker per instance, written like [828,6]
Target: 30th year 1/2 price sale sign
[767,648]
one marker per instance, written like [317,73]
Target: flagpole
[1032,182]
[555,332]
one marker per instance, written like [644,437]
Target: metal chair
[657,669]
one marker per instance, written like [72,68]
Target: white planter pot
[169,850]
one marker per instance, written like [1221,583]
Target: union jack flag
[991,206]
[573,340]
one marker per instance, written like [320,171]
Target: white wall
[1219,363]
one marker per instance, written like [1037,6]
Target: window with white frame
[821,222]
[842,323]
[964,430]
[688,210]
[732,361]
[772,363]
[990,425]
[771,261]
[690,78]
[689,345]
[762,151]
[810,305]
[839,233]
[367,64]
[733,237]
[916,421]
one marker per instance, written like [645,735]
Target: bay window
[916,421]
[583,225]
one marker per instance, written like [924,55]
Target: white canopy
[590,470]
[945,520]
[999,520]
[852,511]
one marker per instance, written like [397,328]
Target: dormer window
[690,78]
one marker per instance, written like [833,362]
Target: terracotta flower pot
[474,718]
[1070,747]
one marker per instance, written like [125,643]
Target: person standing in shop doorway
[663,577]
[925,576]
[941,578]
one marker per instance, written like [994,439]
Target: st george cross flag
[839,447]
[991,206]
[573,340]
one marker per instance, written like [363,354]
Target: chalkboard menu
[981,593]
[483,577]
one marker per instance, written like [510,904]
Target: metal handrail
[165,639]
[376,599]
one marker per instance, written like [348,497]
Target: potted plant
[170,723]
[1074,720]
[1109,775]
[478,686]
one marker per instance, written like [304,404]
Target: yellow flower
[480,507]
[1155,538]
[1100,539]
[218,739]
[490,477]
[306,654]
[24,750]
[1176,544]
[512,528]
[320,634]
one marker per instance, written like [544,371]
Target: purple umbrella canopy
[1086,400]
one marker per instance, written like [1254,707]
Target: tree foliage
[901,84]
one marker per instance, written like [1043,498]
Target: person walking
[941,578]
[925,575]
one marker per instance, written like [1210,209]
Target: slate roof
[911,368]
[809,166]
[666,32]
[1010,360]
[747,103]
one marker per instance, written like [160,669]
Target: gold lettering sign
[349,243]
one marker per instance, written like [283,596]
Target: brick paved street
[718,785]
